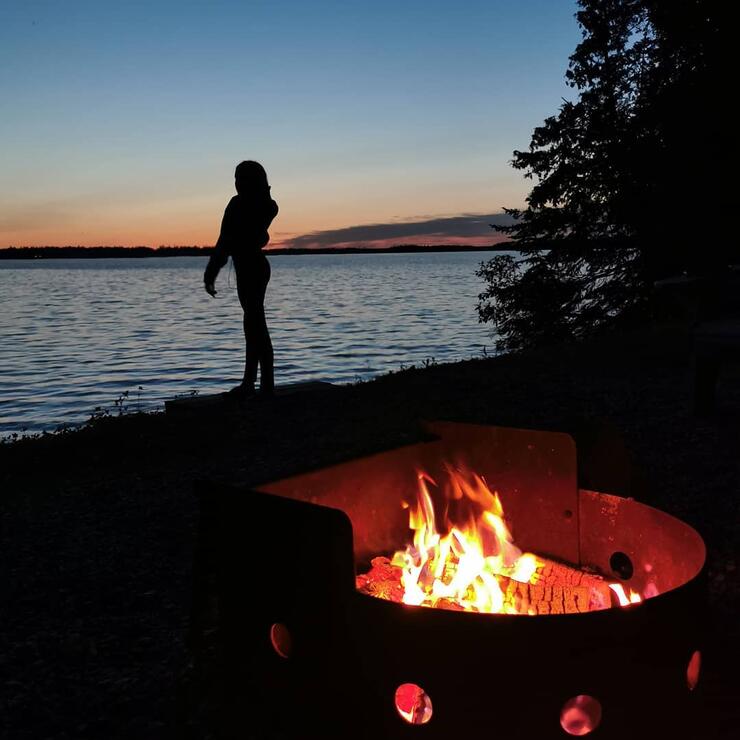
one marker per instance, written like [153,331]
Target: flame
[463,566]
[471,566]
[624,600]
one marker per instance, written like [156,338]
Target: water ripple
[77,334]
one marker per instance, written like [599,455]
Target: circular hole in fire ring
[621,565]
[413,704]
[580,715]
[693,670]
[281,640]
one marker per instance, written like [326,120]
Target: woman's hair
[251,177]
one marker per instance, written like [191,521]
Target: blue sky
[122,122]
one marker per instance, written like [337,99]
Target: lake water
[76,334]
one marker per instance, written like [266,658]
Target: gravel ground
[97,525]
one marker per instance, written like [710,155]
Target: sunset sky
[378,122]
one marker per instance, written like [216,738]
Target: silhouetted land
[15,253]
[98,524]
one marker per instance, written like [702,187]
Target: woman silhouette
[243,234]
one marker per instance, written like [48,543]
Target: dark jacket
[243,233]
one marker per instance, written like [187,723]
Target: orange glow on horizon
[206,237]
[122,219]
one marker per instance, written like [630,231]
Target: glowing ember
[472,564]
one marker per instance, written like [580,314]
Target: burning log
[562,589]
[555,588]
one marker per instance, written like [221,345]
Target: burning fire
[462,566]
[624,600]
[472,564]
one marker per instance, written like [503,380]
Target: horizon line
[457,245]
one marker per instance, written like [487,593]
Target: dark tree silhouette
[628,175]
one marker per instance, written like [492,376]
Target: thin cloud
[466,228]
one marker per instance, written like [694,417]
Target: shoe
[241,391]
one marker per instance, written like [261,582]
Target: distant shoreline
[35,253]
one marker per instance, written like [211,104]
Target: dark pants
[252,276]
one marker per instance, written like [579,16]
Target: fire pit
[459,587]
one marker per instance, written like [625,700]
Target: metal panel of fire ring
[289,563]
[535,474]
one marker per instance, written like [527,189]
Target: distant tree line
[95,252]
[630,178]
[100,252]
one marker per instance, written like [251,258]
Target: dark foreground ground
[97,527]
